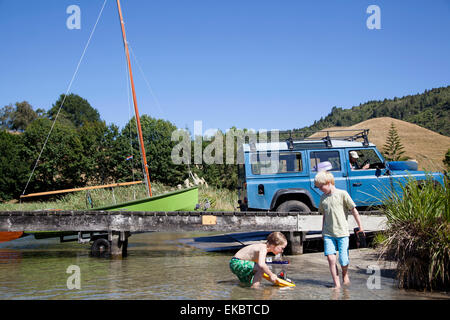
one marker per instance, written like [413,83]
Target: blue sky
[259,64]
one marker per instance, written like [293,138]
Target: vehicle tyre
[100,247]
[293,206]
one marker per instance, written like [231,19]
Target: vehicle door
[338,170]
[366,186]
[269,172]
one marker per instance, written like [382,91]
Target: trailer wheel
[293,206]
[100,247]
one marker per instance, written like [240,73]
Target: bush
[418,234]
[12,169]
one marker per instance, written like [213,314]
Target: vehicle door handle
[357,184]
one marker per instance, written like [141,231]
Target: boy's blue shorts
[332,245]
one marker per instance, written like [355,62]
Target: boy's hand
[273,277]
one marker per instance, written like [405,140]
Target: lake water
[160,266]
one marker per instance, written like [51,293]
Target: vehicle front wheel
[293,206]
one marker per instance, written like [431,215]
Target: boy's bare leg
[345,277]
[257,277]
[332,264]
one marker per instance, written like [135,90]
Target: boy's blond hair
[323,177]
[276,238]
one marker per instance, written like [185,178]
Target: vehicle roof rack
[326,136]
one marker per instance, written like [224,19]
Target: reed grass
[220,199]
[418,234]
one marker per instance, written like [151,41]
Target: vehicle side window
[274,163]
[333,157]
[367,156]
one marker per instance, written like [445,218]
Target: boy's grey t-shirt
[335,208]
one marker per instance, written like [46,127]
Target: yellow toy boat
[280,282]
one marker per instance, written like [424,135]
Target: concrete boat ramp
[225,242]
[235,241]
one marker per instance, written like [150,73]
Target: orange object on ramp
[8,236]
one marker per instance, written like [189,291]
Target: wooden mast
[136,111]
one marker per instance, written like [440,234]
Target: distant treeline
[429,110]
[82,150]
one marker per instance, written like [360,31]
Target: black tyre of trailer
[101,247]
[293,206]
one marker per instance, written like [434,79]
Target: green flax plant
[418,233]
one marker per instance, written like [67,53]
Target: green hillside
[429,109]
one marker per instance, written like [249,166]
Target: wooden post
[119,242]
[295,242]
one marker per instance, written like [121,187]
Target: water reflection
[9,256]
[342,293]
[160,266]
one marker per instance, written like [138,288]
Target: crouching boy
[249,263]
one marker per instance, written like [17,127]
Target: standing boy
[249,263]
[334,206]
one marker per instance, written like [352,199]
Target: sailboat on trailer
[180,200]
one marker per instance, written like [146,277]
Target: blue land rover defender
[279,176]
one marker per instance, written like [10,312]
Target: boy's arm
[262,264]
[321,211]
[349,203]
[323,223]
[355,214]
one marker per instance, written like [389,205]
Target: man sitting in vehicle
[354,163]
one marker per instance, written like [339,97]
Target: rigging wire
[190,174]
[65,95]
[146,81]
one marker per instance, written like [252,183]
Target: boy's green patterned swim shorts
[243,269]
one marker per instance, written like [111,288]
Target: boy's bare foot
[345,278]
[346,281]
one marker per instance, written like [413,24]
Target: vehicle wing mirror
[378,172]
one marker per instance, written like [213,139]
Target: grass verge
[219,199]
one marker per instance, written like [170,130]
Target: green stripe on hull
[180,200]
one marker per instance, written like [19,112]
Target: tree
[13,170]
[75,109]
[22,116]
[5,116]
[62,162]
[157,134]
[446,160]
[106,150]
[393,148]
[17,117]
